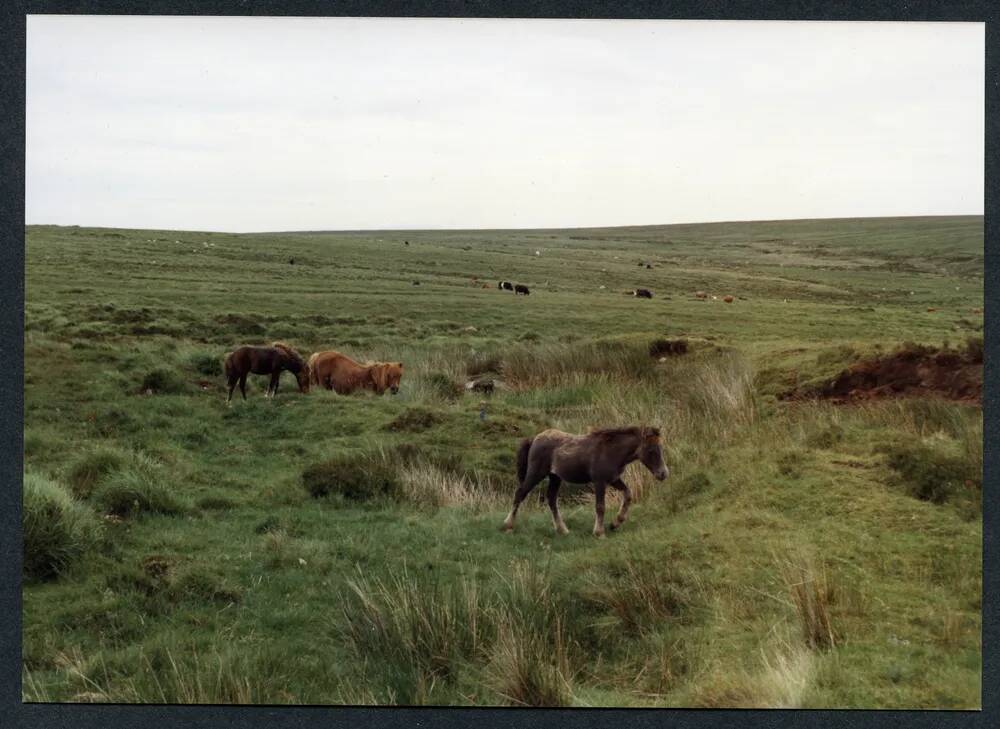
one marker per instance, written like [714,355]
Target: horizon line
[316,231]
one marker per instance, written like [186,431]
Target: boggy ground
[327,549]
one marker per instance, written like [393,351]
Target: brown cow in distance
[340,373]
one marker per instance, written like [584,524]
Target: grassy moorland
[327,549]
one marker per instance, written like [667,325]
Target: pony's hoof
[505,527]
[600,535]
[612,526]
[562,530]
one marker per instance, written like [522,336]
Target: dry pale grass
[781,682]
[812,594]
[528,668]
[428,485]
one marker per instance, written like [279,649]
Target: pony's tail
[522,459]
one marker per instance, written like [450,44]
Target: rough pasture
[326,548]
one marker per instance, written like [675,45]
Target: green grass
[327,549]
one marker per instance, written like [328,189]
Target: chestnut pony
[336,371]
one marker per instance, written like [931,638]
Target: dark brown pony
[598,457]
[265,361]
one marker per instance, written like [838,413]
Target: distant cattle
[291,261]
[603,287]
[521,289]
[700,295]
[505,286]
[728,299]
[643,293]
[406,242]
[416,283]
[648,265]
[931,310]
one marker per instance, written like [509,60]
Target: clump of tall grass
[780,682]
[528,668]
[545,364]
[140,486]
[710,399]
[208,364]
[218,674]
[425,484]
[936,472]
[92,467]
[812,594]
[639,592]
[57,529]
[413,635]
[162,381]
[412,638]
[531,654]
[440,386]
[354,476]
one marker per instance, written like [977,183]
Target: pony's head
[295,364]
[386,376]
[650,453]
[302,377]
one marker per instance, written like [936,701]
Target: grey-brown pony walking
[598,457]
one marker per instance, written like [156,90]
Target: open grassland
[327,549]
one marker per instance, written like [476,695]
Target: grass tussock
[547,364]
[362,476]
[140,486]
[412,635]
[415,640]
[162,382]
[812,595]
[57,529]
[781,681]
[425,484]
[92,467]
[936,470]
[637,593]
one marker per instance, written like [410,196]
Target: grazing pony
[505,285]
[264,361]
[521,289]
[340,373]
[643,293]
[598,457]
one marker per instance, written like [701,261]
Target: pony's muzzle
[662,474]
[393,389]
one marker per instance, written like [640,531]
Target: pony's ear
[652,435]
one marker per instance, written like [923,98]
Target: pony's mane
[291,353]
[637,430]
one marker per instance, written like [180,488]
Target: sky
[257,124]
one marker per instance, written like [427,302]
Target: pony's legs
[599,509]
[232,386]
[243,386]
[273,387]
[626,502]
[531,480]
[553,494]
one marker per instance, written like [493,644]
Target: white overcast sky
[250,124]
